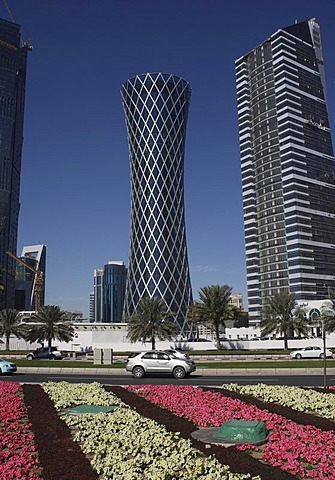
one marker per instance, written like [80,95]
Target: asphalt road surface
[195,380]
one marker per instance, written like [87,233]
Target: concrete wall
[90,336]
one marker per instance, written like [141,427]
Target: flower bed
[144,440]
[238,461]
[301,418]
[297,398]
[126,445]
[18,457]
[288,440]
[60,457]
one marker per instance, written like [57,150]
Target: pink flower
[18,458]
[304,451]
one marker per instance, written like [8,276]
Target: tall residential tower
[13,64]
[156,109]
[288,170]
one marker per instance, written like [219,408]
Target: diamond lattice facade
[288,169]
[156,110]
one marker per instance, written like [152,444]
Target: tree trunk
[217,334]
[285,341]
[153,342]
[7,342]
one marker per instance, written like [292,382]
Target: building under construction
[30,278]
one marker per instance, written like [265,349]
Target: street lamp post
[324,354]
[324,345]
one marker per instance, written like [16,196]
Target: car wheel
[179,372]
[138,372]
[322,355]
[52,357]
[298,356]
[30,357]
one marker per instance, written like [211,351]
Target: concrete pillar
[108,356]
[98,356]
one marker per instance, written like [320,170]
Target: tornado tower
[156,110]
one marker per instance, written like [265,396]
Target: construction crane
[25,43]
[9,11]
[38,279]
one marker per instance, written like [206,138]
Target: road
[195,380]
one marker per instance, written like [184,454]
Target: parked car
[310,352]
[178,354]
[157,361]
[7,367]
[133,354]
[50,353]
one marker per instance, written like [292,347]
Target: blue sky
[75,186]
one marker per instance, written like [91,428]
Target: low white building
[89,336]
[114,336]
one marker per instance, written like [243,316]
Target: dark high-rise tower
[288,170]
[156,109]
[13,61]
[109,291]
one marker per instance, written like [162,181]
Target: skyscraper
[25,280]
[156,110]
[109,292]
[91,308]
[288,170]
[13,63]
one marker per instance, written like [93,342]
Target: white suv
[157,361]
[178,354]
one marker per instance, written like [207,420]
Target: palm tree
[2,287]
[213,307]
[48,324]
[328,313]
[277,315]
[301,324]
[151,320]
[194,320]
[10,324]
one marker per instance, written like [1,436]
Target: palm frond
[278,316]
[48,324]
[151,321]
